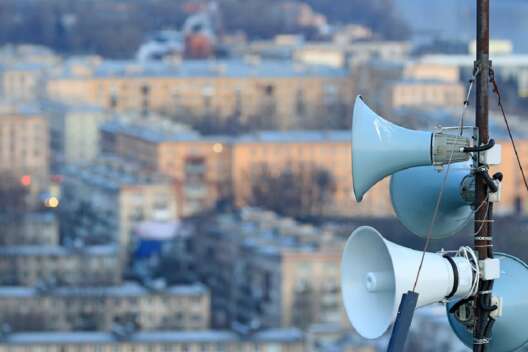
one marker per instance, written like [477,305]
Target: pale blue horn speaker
[510,331]
[380,148]
[414,193]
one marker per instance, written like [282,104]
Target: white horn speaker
[510,331]
[375,273]
[414,194]
[380,148]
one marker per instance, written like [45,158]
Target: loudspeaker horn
[510,331]
[380,148]
[414,193]
[375,273]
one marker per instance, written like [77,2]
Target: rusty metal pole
[483,240]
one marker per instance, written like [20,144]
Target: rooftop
[148,134]
[204,336]
[158,136]
[467,60]
[113,173]
[55,106]
[296,137]
[207,68]
[128,289]
[51,250]
[264,233]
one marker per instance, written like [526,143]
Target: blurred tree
[379,15]
[300,190]
[13,195]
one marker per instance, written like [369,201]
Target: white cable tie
[482,341]
[483,238]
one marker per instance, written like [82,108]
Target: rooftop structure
[283,92]
[83,266]
[98,308]
[109,197]
[266,271]
[206,68]
[29,228]
[288,340]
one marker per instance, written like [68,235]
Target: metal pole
[483,241]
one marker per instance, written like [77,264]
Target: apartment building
[352,53]
[74,133]
[104,200]
[306,150]
[424,93]
[24,145]
[208,169]
[200,167]
[100,308]
[514,195]
[23,82]
[282,92]
[284,340]
[265,271]
[29,228]
[30,265]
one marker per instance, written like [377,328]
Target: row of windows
[177,347]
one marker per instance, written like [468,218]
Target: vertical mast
[483,240]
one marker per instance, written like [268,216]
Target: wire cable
[519,163]
[442,186]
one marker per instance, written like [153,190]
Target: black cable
[480,148]
[497,92]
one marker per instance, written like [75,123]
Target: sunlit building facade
[267,92]
[99,308]
[24,149]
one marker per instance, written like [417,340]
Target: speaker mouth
[380,148]
[355,116]
[368,282]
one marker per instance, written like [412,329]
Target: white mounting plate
[492,156]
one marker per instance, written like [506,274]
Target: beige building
[30,265]
[345,54]
[23,82]
[109,197]
[281,92]
[99,308]
[200,167]
[24,145]
[327,150]
[418,70]
[74,133]
[209,169]
[276,340]
[514,194]
[265,271]
[424,94]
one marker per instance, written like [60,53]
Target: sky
[456,19]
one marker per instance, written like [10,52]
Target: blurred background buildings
[176,175]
